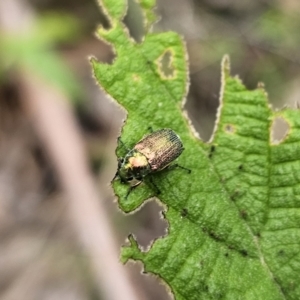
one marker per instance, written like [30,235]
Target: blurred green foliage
[280,29]
[34,51]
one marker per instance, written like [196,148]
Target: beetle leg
[157,189]
[174,166]
[131,188]
[129,191]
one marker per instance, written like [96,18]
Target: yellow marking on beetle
[147,152]
[138,160]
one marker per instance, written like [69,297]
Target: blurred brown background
[58,131]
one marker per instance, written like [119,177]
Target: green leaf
[234,221]
[147,7]
[114,9]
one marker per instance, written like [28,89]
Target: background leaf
[234,221]
[34,51]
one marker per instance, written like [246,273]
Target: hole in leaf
[279,130]
[229,128]
[151,224]
[148,286]
[165,66]
[104,21]
[134,20]
[244,214]
[184,212]
[211,151]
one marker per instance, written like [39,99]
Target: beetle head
[134,166]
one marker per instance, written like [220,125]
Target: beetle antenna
[122,143]
[116,175]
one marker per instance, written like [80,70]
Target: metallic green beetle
[153,153]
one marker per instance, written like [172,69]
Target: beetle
[153,153]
